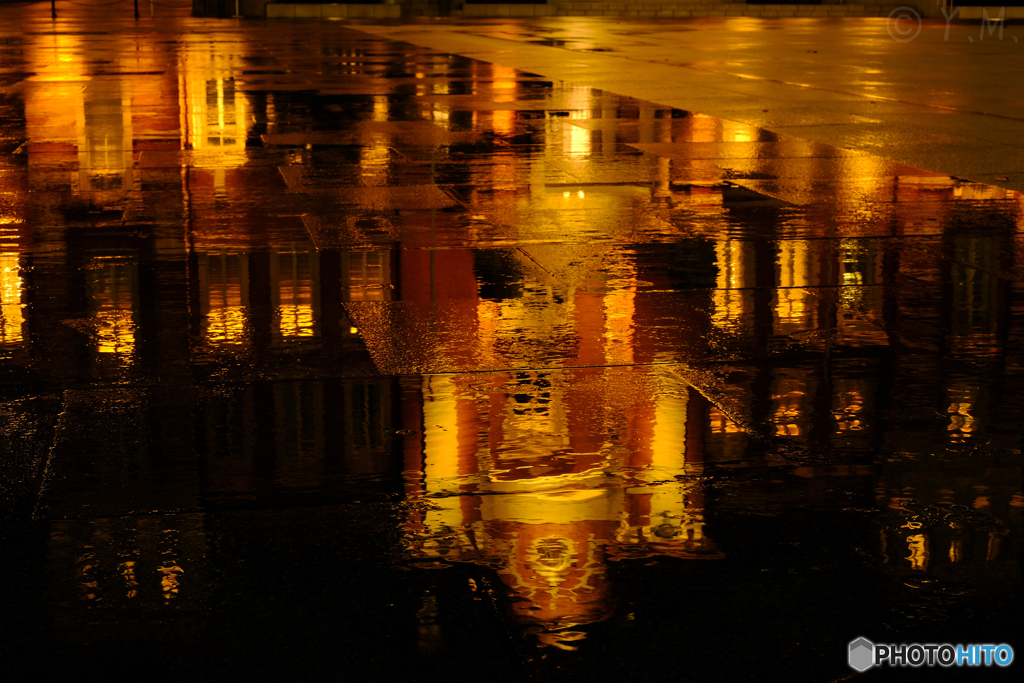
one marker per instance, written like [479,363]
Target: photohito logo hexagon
[861,654]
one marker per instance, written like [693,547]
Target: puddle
[302,308]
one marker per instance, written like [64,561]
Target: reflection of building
[284,281]
[546,477]
[279,293]
[545,473]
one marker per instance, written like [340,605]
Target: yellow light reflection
[105,142]
[788,398]
[380,108]
[737,132]
[668,442]
[11,317]
[577,141]
[918,558]
[128,572]
[792,309]
[503,121]
[551,521]
[849,405]
[504,85]
[296,320]
[296,272]
[735,262]
[368,276]
[213,112]
[374,160]
[956,550]
[441,441]
[224,281]
[619,309]
[869,177]
[961,420]
[116,334]
[114,294]
[170,581]
[702,128]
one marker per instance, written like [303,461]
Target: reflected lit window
[704,128]
[793,310]
[104,143]
[503,121]
[224,283]
[380,108]
[367,276]
[860,265]
[296,273]
[848,405]
[11,317]
[374,162]
[577,141]
[169,581]
[918,546]
[961,421]
[719,423]
[788,398]
[734,260]
[213,109]
[504,86]
[115,293]
[220,124]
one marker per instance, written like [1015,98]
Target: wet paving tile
[402,350]
[128,463]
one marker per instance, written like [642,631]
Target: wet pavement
[325,355]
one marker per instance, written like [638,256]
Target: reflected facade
[565,338]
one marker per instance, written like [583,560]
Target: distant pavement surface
[944,100]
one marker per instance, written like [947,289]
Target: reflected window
[367,275]
[860,267]
[794,308]
[12,318]
[975,289]
[105,144]
[213,109]
[917,544]
[788,398]
[734,260]
[963,398]
[297,272]
[224,281]
[848,404]
[367,417]
[114,286]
